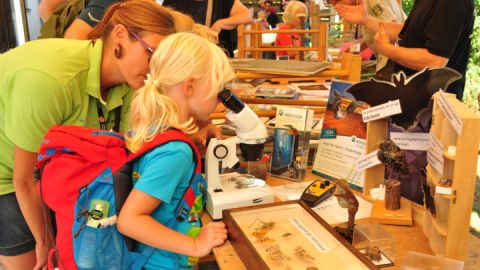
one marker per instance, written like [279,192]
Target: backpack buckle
[182,214]
[36,174]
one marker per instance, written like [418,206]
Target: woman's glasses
[142,43]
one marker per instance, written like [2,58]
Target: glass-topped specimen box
[289,235]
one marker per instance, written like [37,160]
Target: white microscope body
[251,134]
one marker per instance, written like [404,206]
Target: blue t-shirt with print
[164,173]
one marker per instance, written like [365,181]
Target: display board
[342,141]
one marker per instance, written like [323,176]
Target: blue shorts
[15,236]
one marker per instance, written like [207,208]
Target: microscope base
[234,198]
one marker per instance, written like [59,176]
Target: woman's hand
[381,39]
[41,253]
[352,13]
[212,234]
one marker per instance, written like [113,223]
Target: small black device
[317,192]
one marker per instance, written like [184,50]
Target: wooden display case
[289,235]
[448,230]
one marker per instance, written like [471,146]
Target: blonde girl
[187,72]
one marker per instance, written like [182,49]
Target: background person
[226,16]
[291,20]
[435,34]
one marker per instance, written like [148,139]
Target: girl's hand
[212,234]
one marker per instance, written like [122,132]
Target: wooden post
[376,132]
[302,38]
[322,41]
[241,41]
[256,40]
[392,194]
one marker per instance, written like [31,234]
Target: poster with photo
[343,137]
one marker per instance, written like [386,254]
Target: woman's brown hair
[136,15]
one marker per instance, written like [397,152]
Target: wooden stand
[376,132]
[402,216]
[392,194]
[448,231]
[374,176]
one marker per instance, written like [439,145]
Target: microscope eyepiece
[231,101]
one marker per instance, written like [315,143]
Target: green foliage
[472,84]
[407,5]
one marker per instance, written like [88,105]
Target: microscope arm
[224,151]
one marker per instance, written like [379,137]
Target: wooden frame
[319,36]
[318,106]
[448,230]
[298,222]
[349,70]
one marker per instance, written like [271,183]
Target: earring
[118,52]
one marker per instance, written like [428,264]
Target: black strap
[102,121]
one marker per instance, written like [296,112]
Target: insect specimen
[300,251]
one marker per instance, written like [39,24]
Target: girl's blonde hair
[178,57]
[293,10]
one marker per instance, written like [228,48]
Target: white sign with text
[381,111]
[450,113]
[435,153]
[410,141]
[368,161]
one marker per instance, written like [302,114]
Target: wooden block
[402,216]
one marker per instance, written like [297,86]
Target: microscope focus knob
[220,151]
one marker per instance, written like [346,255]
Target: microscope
[239,191]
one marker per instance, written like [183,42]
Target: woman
[59,81]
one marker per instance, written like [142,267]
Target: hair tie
[150,81]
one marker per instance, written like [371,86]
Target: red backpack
[77,167]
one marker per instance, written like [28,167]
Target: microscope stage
[237,191]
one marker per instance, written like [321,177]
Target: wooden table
[407,237]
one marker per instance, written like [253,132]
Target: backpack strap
[138,261]
[208,16]
[188,198]
[165,137]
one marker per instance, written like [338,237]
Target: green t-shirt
[48,82]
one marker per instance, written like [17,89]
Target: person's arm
[36,102]
[135,221]
[239,14]
[151,190]
[88,19]
[358,14]
[46,8]
[78,30]
[413,58]
[30,203]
